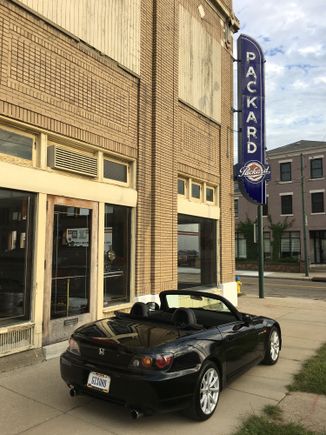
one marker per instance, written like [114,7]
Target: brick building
[284,205]
[115,158]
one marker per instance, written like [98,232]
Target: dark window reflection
[116,254]
[16,240]
[115,171]
[70,261]
[16,145]
[196,252]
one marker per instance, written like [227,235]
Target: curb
[301,278]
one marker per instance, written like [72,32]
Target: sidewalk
[35,401]
[313,275]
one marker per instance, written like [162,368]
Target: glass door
[16,254]
[70,266]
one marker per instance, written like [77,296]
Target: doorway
[71,267]
[319,246]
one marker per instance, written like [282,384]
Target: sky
[292,35]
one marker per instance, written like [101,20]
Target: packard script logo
[254,171]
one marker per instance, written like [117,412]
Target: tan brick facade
[55,83]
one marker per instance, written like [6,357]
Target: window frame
[183,195]
[205,259]
[128,279]
[240,240]
[312,160]
[282,165]
[194,198]
[290,236]
[285,196]
[28,261]
[119,162]
[236,207]
[212,188]
[321,192]
[9,158]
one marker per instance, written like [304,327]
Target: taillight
[73,346]
[161,362]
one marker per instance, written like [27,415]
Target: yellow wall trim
[53,183]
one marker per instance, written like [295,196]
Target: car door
[240,341]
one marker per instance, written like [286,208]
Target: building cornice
[226,13]
[289,154]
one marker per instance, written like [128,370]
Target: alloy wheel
[209,391]
[274,345]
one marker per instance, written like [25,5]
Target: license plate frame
[99,381]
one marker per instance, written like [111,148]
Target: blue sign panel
[252,170]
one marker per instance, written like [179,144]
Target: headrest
[184,317]
[139,310]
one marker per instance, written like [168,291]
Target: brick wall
[57,83]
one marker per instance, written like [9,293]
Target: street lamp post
[304,219]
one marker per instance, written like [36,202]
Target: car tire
[206,394]
[272,350]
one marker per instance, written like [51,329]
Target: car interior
[185,318]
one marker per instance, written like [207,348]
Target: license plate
[98,381]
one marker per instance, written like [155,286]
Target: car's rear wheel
[272,351]
[207,393]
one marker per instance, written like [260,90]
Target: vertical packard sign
[252,170]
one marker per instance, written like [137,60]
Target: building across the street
[296,168]
[116,159]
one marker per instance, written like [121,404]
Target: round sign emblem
[254,171]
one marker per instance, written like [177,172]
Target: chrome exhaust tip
[135,414]
[73,392]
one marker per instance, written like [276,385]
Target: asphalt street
[285,288]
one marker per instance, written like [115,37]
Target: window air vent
[18,340]
[66,160]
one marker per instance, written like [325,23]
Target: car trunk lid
[115,341]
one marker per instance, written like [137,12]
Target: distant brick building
[115,158]
[285,203]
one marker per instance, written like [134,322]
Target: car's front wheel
[207,393]
[272,351]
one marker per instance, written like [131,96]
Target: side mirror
[247,319]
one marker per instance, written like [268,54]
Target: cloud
[291,34]
[315,50]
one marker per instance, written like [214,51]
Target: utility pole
[260,251]
[304,220]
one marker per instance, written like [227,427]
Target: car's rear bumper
[149,393]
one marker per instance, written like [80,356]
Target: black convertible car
[178,355]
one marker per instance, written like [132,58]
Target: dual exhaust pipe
[73,392]
[134,413]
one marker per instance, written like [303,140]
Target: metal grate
[16,340]
[66,160]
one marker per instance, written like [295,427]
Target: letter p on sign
[250,56]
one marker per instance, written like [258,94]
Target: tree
[278,229]
[247,228]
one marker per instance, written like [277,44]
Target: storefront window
[240,246]
[16,248]
[196,252]
[116,254]
[267,244]
[70,261]
[290,244]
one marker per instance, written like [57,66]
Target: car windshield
[195,301]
